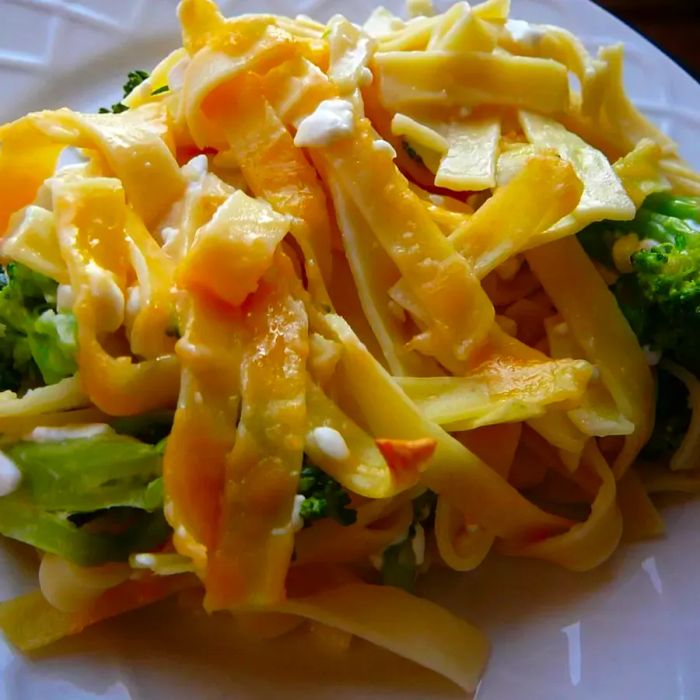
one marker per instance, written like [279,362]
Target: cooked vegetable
[152,427]
[678,207]
[134,78]
[660,296]
[85,475]
[37,344]
[89,500]
[89,544]
[399,561]
[672,416]
[399,565]
[324,497]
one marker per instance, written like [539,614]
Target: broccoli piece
[399,565]
[672,416]
[152,428]
[37,345]
[133,79]
[324,497]
[676,207]
[669,280]
[661,296]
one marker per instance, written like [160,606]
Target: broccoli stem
[678,207]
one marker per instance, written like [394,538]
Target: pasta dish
[317,308]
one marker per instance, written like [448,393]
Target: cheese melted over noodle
[364,237]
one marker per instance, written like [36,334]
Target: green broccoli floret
[661,296]
[324,497]
[669,280]
[133,79]
[37,344]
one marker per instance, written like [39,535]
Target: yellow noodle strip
[379,525]
[253,544]
[459,311]
[497,392]
[470,161]
[204,428]
[31,240]
[27,158]
[274,168]
[365,470]
[589,543]
[470,78]
[91,217]
[493,234]
[603,195]
[461,29]
[687,456]
[597,415]
[135,148]
[575,288]
[62,396]
[640,518]
[411,627]
[453,471]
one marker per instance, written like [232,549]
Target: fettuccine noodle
[341,258]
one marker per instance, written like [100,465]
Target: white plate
[628,631]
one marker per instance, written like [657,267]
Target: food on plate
[323,307]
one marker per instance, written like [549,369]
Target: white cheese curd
[382,23]
[297,522]
[110,300]
[161,564]
[194,171]
[68,432]
[418,545]
[65,298]
[168,233]
[366,77]
[143,561]
[382,145]
[10,476]
[330,442]
[653,357]
[133,302]
[524,33]
[331,121]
